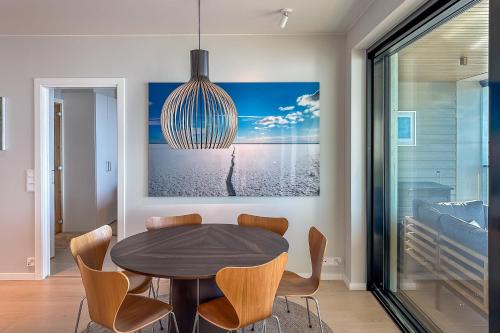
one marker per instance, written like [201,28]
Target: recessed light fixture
[285,12]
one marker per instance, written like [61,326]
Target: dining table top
[196,251]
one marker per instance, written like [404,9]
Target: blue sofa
[450,239]
[464,222]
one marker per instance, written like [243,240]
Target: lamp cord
[199,24]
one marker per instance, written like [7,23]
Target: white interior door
[106,159]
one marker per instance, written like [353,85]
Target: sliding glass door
[429,122]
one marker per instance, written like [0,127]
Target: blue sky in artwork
[276,112]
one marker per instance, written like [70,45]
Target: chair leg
[319,313]
[277,322]
[253,327]
[175,321]
[161,325]
[195,322]
[153,291]
[264,326]
[158,288]
[287,307]
[79,314]
[87,330]
[308,312]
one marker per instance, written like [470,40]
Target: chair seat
[137,283]
[220,313]
[137,312]
[292,284]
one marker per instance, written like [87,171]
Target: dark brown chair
[277,225]
[294,285]
[92,248]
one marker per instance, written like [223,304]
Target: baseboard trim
[354,286]
[326,276]
[17,276]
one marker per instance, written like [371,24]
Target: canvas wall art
[407,128]
[276,151]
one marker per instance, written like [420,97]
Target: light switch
[30,180]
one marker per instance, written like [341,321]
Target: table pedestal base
[185,296]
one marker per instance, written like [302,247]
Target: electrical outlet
[332,261]
[30,261]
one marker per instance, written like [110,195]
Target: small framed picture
[407,122]
[2,123]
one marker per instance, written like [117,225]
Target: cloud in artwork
[295,116]
[272,121]
[310,102]
[286,108]
[154,122]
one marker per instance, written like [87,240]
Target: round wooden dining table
[190,256]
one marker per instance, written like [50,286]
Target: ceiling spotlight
[284,19]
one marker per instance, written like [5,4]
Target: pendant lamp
[199,114]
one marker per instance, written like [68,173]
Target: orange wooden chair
[277,225]
[249,294]
[111,306]
[92,248]
[160,222]
[294,285]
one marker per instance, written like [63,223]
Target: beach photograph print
[275,153]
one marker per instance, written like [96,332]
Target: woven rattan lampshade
[199,114]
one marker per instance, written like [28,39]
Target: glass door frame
[424,19]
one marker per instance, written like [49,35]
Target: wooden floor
[50,306]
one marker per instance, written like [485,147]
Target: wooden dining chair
[160,222]
[92,248]
[294,285]
[111,306]
[249,294]
[277,225]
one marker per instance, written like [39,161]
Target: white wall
[380,18]
[79,197]
[144,59]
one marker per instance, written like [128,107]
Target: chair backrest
[251,290]
[317,248]
[277,225]
[160,222]
[105,293]
[92,246]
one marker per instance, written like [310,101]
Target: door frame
[42,156]
[424,19]
[61,102]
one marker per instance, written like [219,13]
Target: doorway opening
[84,173]
[79,166]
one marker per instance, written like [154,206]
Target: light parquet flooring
[51,305]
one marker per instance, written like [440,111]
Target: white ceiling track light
[199,114]
[285,12]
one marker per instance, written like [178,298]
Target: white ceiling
[130,17]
